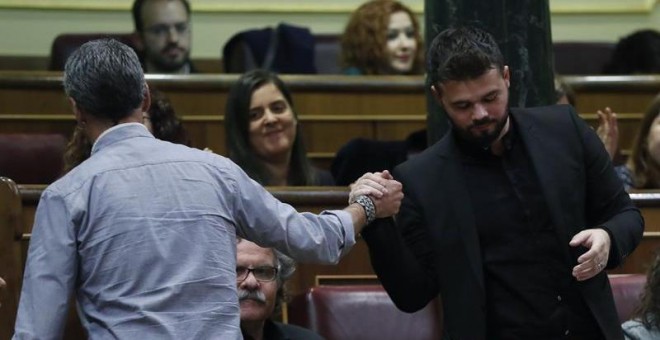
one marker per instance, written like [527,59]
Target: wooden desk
[313,199]
[331,109]
[316,199]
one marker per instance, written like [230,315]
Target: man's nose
[250,282]
[479,112]
[172,34]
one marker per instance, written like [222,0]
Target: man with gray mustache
[260,277]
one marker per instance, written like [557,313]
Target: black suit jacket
[433,247]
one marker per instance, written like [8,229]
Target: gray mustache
[255,295]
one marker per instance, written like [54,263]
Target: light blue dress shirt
[144,234]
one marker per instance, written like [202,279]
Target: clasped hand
[384,191]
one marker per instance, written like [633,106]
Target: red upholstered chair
[67,43]
[361,312]
[626,289]
[31,158]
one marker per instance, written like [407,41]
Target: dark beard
[484,140]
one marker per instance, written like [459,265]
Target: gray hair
[105,79]
[286,266]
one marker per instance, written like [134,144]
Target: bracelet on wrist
[368,206]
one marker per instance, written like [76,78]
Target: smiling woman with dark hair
[263,134]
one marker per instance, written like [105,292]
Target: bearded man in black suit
[511,218]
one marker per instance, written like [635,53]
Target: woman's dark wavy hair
[645,170]
[164,122]
[648,312]
[237,123]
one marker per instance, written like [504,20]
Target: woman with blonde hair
[382,37]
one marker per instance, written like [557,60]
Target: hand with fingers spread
[608,130]
[592,262]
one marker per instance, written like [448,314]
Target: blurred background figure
[642,171]
[645,323]
[608,128]
[564,94]
[382,37]
[3,286]
[637,53]
[261,275]
[263,134]
[163,29]
[161,120]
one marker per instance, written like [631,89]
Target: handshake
[378,193]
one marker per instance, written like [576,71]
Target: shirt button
[559,299]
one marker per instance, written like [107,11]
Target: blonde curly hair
[364,41]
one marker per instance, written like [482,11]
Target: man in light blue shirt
[144,231]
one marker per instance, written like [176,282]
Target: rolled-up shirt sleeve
[307,237]
[50,272]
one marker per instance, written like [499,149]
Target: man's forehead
[470,88]
[247,251]
[158,11]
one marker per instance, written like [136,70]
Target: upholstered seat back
[32,158]
[67,43]
[361,312]
[626,289]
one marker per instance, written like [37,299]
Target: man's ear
[506,74]
[80,119]
[146,102]
[437,94]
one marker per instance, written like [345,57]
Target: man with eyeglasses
[260,277]
[163,28]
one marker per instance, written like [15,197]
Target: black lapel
[453,183]
[548,165]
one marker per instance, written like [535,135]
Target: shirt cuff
[347,228]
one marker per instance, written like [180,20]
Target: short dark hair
[105,79]
[137,12]
[237,122]
[637,53]
[462,53]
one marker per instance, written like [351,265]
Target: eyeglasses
[262,274]
[162,30]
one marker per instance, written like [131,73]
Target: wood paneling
[332,109]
